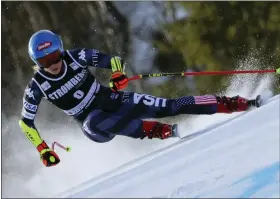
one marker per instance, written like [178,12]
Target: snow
[236,157]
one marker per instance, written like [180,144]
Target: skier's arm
[118,79]
[92,57]
[31,100]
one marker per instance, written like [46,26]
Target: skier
[103,112]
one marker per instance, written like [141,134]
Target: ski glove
[49,157]
[118,81]
[117,64]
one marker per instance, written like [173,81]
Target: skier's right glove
[118,81]
[49,157]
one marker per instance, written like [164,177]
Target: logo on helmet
[44,45]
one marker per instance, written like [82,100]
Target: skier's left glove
[118,81]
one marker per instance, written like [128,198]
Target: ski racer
[103,112]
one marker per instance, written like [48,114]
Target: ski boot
[255,102]
[235,104]
[153,129]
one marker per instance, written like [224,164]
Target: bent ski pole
[205,73]
[68,149]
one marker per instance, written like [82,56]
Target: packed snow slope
[236,157]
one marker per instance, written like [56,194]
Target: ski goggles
[50,59]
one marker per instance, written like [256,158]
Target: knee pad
[96,135]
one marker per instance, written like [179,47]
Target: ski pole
[68,149]
[204,73]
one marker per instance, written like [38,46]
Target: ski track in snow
[237,157]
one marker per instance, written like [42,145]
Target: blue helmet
[43,43]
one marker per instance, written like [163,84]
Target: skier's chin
[55,68]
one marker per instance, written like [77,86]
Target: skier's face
[54,68]
[52,62]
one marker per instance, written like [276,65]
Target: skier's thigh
[103,126]
[91,130]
